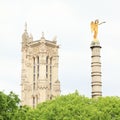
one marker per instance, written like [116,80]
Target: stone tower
[96,69]
[39,75]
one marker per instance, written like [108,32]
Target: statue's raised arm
[94,28]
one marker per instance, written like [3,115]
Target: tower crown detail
[25,36]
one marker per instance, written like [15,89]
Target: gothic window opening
[34,65]
[51,73]
[33,77]
[36,99]
[34,69]
[37,67]
[33,86]
[37,72]
[47,67]
[50,82]
[33,102]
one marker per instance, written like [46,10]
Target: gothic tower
[39,75]
[96,69]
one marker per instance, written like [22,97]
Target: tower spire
[25,26]
[42,34]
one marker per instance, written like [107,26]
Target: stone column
[96,83]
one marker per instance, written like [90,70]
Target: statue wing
[92,26]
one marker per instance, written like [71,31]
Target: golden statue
[94,28]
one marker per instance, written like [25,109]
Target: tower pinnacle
[25,26]
[42,36]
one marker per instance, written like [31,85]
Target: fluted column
[96,83]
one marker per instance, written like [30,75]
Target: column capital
[95,44]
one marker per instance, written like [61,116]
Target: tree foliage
[66,107]
[8,105]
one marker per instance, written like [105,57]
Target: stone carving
[42,47]
[27,88]
[36,49]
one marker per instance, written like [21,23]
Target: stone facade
[39,75]
[96,70]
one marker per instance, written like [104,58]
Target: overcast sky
[69,20]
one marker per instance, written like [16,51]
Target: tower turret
[25,36]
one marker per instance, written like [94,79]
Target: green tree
[8,105]
[77,107]
[66,107]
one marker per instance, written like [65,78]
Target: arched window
[33,102]
[51,65]
[34,86]
[34,65]
[51,73]
[36,99]
[37,67]
[33,69]
[47,66]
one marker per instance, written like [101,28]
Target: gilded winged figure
[94,28]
